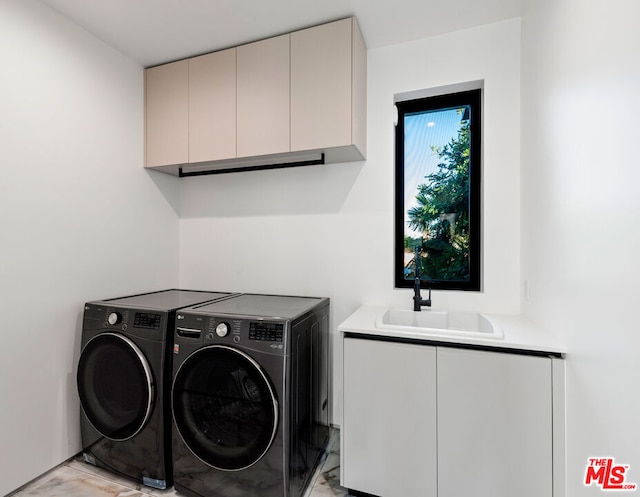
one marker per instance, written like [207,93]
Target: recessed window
[438,165]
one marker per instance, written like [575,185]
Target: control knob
[114,318]
[222,330]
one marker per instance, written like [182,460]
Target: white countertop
[519,332]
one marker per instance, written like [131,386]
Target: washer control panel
[266,331]
[267,335]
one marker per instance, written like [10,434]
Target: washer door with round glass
[224,408]
[115,385]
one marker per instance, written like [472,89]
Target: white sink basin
[441,323]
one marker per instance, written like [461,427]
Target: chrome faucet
[418,303]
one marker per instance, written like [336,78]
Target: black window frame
[473,99]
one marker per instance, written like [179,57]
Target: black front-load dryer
[123,379]
[250,396]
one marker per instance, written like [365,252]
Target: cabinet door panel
[494,424]
[321,86]
[166,114]
[263,97]
[388,432]
[212,106]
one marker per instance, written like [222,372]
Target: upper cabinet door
[212,106]
[321,86]
[166,114]
[328,86]
[263,97]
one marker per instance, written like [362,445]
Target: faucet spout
[418,302]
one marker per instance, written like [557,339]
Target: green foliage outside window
[442,213]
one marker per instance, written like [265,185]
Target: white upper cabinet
[263,97]
[212,106]
[328,87]
[167,114]
[281,100]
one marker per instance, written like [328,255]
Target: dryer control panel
[150,324]
[147,320]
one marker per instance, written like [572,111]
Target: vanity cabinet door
[212,106]
[263,97]
[494,424]
[167,114]
[388,432]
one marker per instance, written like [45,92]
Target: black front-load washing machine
[123,379]
[250,396]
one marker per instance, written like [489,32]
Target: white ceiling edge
[153,32]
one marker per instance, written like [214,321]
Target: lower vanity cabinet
[388,435]
[494,424]
[425,420]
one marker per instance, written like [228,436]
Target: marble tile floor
[75,478]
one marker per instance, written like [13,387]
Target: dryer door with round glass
[224,407]
[115,385]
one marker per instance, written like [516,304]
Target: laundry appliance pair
[221,394]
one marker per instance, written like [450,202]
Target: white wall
[79,217]
[328,230]
[580,211]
